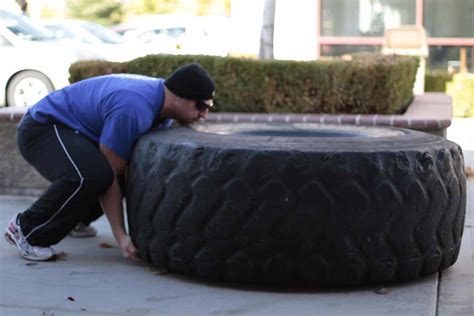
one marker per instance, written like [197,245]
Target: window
[24,27]
[449,18]
[175,32]
[443,56]
[365,17]
[338,50]
[104,34]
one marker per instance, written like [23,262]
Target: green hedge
[87,69]
[362,83]
[435,81]
[461,88]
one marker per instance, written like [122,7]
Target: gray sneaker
[15,237]
[82,231]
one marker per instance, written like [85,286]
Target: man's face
[186,112]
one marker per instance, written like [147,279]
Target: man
[80,138]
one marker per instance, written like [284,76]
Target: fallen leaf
[382,291]
[469,172]
[157,271]
[105,245]
[62,256]
[70,298]
[30,264]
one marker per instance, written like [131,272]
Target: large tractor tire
[297,203]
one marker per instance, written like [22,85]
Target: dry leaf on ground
[62,256]
[382,291]
[469,172]
[156,271]
[105,245]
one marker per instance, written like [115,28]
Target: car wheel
[27,87]
[297,203]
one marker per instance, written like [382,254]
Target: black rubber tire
[385,207]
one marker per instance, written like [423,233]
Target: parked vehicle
[179,34]
[105,34]
[105,42]
[32,63]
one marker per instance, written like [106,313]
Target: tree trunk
[268,26]
[23,6]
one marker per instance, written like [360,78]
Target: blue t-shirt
[113,110]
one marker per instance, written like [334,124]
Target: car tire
[27,87]
[297,204]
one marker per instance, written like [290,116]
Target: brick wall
[16,176]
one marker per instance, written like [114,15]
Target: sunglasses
[202,105]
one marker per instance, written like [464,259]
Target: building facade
[347,26]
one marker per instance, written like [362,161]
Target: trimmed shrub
[93,68]
[461,88]
[435,81]
[360,84]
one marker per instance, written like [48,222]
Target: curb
[430,112]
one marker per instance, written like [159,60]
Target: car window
[24,27]
[175,31]
[72,31]
[106,35]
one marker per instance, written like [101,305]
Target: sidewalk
[92,279]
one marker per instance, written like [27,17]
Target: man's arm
[112,205]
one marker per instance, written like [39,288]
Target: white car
[179,34]
[95,37]
[32,62]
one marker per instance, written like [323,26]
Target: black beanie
[191,82]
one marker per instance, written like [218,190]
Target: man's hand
[112,206]
[128,248]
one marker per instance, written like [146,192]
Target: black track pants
[79,174]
